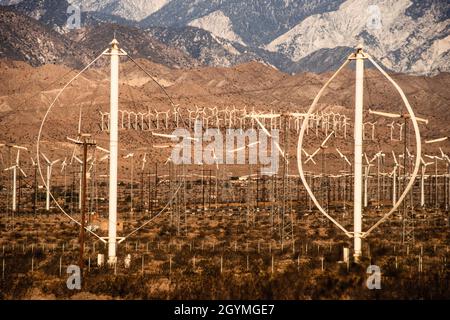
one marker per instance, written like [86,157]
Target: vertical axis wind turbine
[359,56]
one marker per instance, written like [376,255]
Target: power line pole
[86,142]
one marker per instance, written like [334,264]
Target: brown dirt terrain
[25,94]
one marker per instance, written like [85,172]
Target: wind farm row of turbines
[383,179]
[385,173]
[235,118]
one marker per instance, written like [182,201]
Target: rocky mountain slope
[22,38]
[128,9]
[256,22]
[417,42]
[409,36]
[27,39]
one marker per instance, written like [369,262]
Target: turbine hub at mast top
[115,44]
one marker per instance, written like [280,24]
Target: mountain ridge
[294,36]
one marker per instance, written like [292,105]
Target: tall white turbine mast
[435,158]
[115,52]
[380,160]
[144,161]
[423,167]
[345,173]
[366,177]
[359,56]
[16,167]
[50,165]
[447,175]
[394,178]
[64,168]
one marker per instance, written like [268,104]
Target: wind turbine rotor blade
[315,152]
[238,149]
[422,120]
[159,146]
[55,162]
[10,168]
[395,158]
[385,114]
[72,157]
[18,157]
[46,159]
[32,161]
[23,173]
[102,149]
[367,159]
[19,147]
[263,128]
[374,158]
[326,139]
[312,156]
[409,153]
[170,136]
[436,140]
[422,161]
[340,153]
[346,159]
[279,149]
[73,140]
[393,171]
[306,153]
